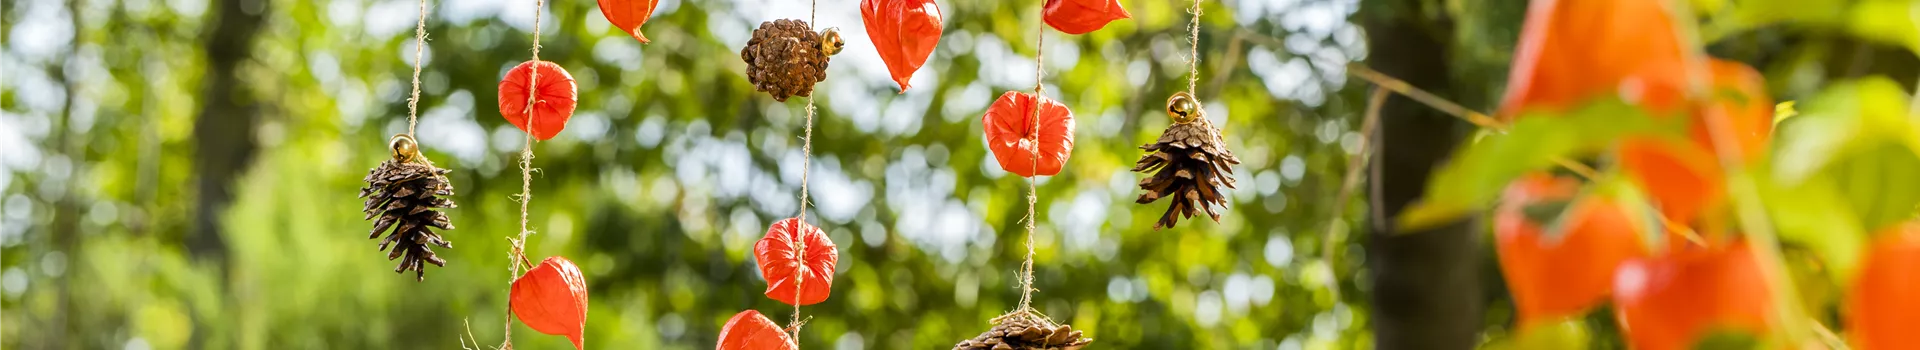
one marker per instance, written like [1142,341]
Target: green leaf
[1567,334]
[1749,14]
[1887,21]
[1783,111]
[1480,170]
[1727,340]
[1546,211]
[1880,184]
[1859,137]
[1815,215]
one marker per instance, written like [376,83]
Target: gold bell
[1183,108]
[404,148]
[831,42]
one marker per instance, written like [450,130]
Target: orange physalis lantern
[749,330]
[1674,301]
[552,298]
[1571,51]
[629,15]
[904,31]
[1685,178]
[1554,276]
[1082,16]
[1012,135]
[554,102]
[1880,308]
[813,269]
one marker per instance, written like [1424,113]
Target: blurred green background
[663,179]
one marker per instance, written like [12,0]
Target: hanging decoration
[787,268]
[629,15]
[1030,135]
[1026,333]
[1880,308]
[552,298]
[749,330]
[904,32]
[1015,136]
[1558,250]
[539,97]
[1189,162]
[1686,179]
[1571,51]
[1082,16]
[1686,295]
[556,96]
[405,190]
[786,57]
[404,193]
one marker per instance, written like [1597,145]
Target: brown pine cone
[1189,163]
[1026,333]
[785,58]
[403,195]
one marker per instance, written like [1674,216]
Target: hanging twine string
[1193,60]
[419,42]
[806,165]
[1033,188]
[515,254]
[1193,53]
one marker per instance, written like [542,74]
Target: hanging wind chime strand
[1008,131]
[406,191]
[516,253]
[807,160]
[1188,164]
[806,165]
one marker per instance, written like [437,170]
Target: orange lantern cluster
[1668,292]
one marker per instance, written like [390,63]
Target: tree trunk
[1426,284]
[223,133]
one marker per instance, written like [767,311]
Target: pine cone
[404,194]
[785,58]
[1189,162]
[1026,333]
